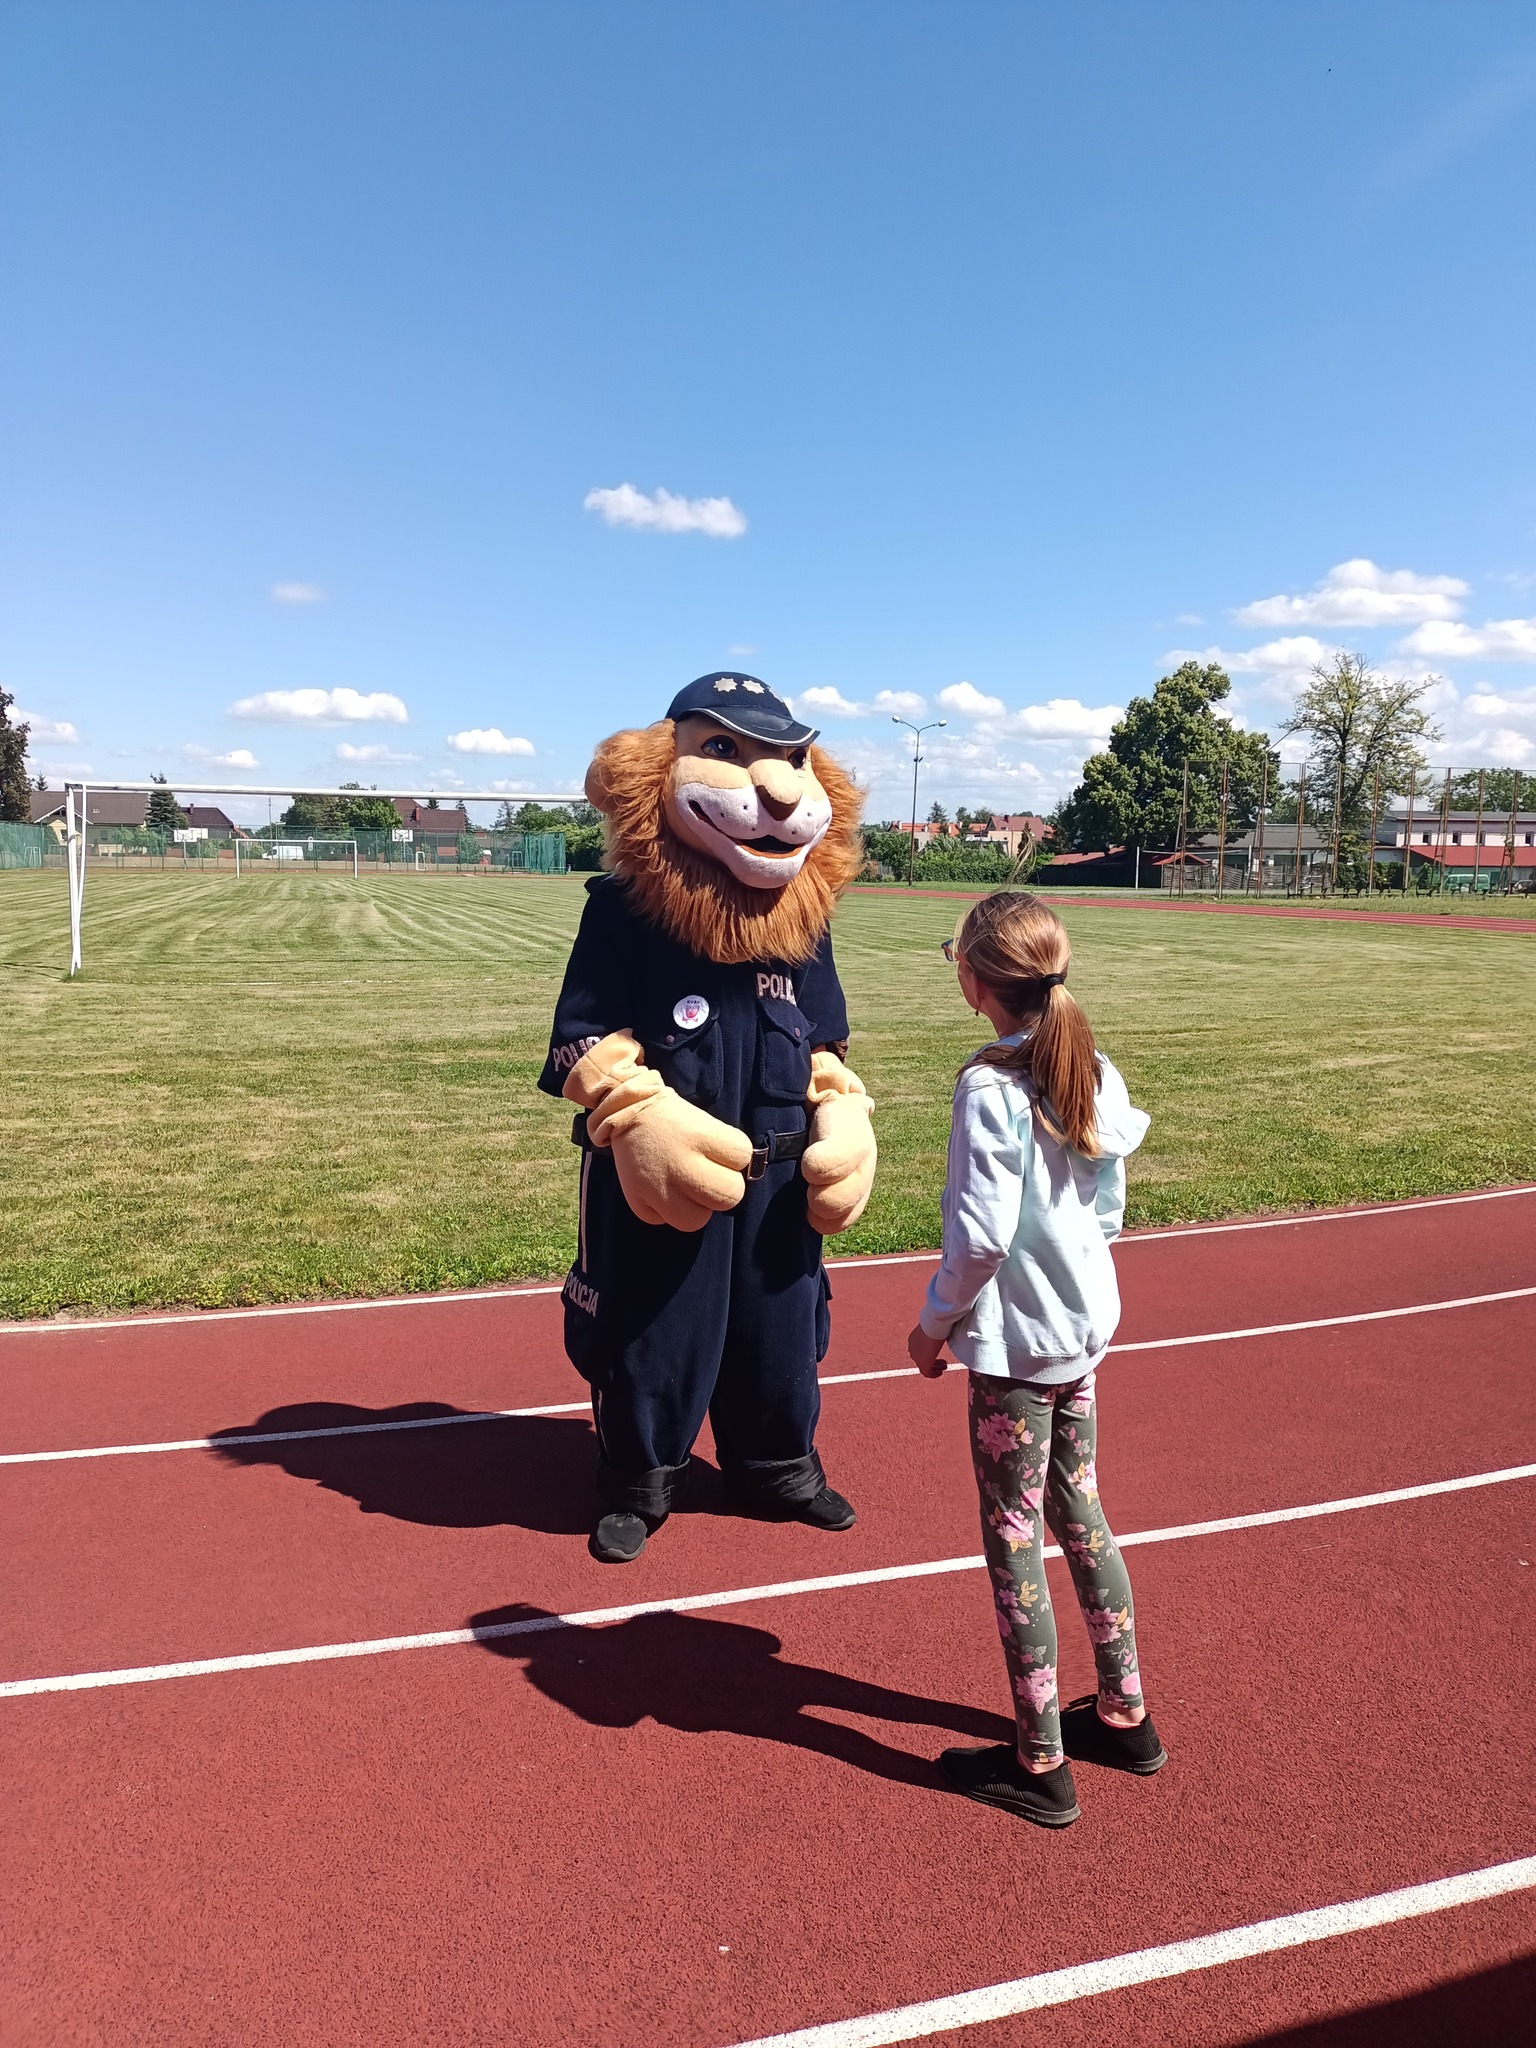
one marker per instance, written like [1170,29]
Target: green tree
[1361,730]
[311,817]
[1503,789]
[1130,795]
[938,815]
[366,814]
[15,796]
[163,813]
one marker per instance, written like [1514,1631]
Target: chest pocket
[691,1061]
[784,1050]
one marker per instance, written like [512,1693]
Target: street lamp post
[917,732]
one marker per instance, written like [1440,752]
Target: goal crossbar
[76,794]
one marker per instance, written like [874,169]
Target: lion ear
[629,769]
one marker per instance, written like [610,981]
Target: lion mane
[694,899]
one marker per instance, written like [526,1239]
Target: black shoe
[620,1537]
[1089,1740]
[995,1776]
[824,1510]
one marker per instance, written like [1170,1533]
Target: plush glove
[839,1162]
[677,1164]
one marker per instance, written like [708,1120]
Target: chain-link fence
[1442,831]
[138,847]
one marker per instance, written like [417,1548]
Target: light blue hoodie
[1027,1287]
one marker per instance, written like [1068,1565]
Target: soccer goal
[77,817]
[292,853]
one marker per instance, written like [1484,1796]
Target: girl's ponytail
[1017,947]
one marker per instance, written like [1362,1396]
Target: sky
[415,393]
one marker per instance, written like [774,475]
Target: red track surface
[700,1828]
[1155,900]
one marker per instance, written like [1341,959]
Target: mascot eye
[720,747]
[797,759]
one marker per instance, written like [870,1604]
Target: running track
[255,1797]
[1154,899]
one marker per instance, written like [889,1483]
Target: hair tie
[1053,980]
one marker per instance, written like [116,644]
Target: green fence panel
[23,846]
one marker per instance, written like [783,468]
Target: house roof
[104,807]
[209,817]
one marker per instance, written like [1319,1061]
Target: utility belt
[770,1151]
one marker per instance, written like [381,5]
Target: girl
[1026,1298]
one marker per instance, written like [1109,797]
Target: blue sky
[989,356]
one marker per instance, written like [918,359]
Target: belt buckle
[757,1165]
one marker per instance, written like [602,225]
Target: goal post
[77,817]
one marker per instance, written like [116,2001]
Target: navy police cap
[742,704]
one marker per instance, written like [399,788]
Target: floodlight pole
[917,732]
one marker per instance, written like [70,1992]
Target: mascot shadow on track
[700,1034]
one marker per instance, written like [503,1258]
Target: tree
[938,815]
[163,813]
[15,796]
[1363,732]
[1503,788]
[1131,794]
[311,817]
[366,814]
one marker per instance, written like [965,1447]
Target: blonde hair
[1016,946]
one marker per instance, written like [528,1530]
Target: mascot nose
[778,787]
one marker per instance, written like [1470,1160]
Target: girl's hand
[924,1351]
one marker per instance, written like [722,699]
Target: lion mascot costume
[700,1035]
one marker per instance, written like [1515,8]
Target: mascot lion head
[734,830]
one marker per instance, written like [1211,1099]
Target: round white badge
[690,1012]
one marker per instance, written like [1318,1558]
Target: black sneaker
[1089,1740]
[995,1776]
[620,1537]
[824,1510]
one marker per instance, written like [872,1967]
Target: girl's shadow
[701,1676]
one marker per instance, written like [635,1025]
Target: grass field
[304,1085]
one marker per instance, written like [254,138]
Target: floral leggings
[1034,1446]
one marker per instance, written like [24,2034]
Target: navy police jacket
[735,1040]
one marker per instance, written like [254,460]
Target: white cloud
[1291,657]
[623,505]
[322,707]
[1189,619]
[1485,703]
[488,740]
[297,593]
[238,757]
[345,751]
[1064,718]
[47,732]
[1495,640]
[825,702]
[1357,593]
[966,699]
[739,650]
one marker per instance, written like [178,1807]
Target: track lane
[360,1537]
[557,1847]
[78,1385]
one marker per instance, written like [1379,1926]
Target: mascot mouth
[774,849]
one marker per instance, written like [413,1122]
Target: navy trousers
[729,1321]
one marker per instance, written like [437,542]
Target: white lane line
[1370,1315]
[1148,1965]
[290,1436]
[1171,1233]
[837,1379]
[331,1308]
[693,1603]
